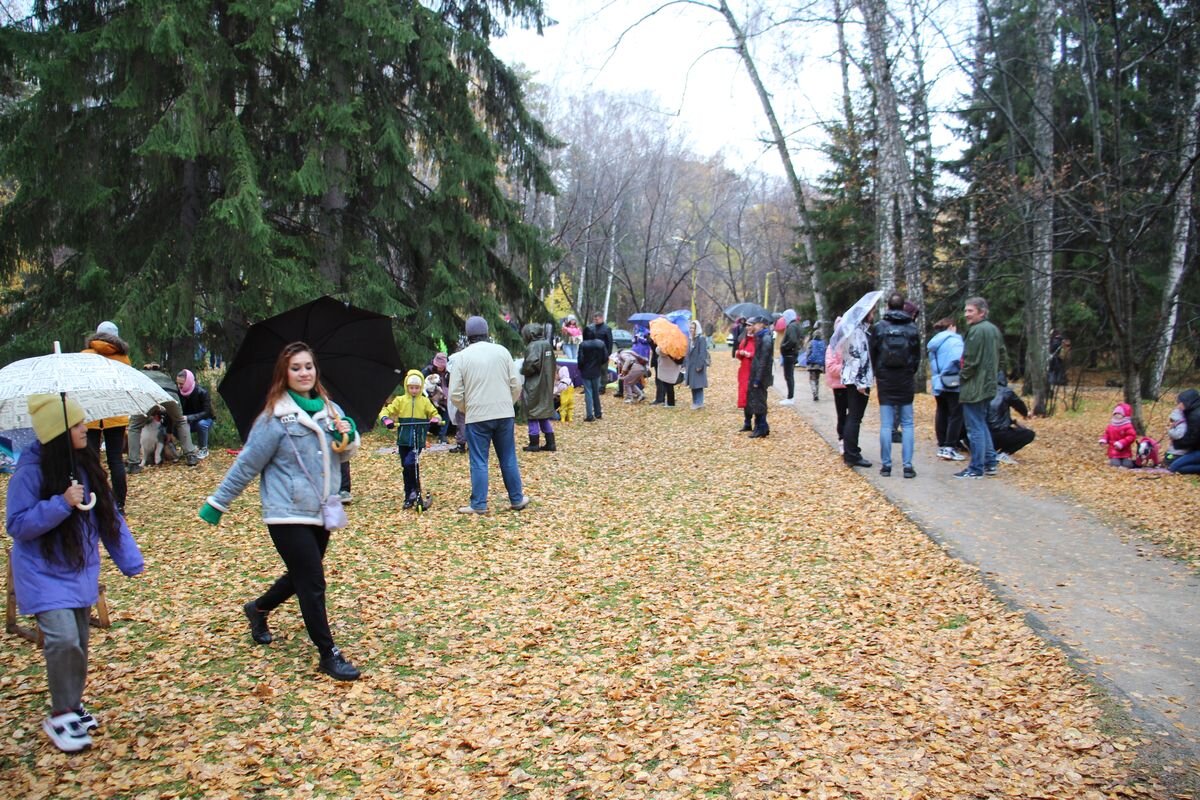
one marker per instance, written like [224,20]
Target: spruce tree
[229,159]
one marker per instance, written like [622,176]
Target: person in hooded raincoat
[540,370]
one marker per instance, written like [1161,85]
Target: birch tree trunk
[1178,266]
[806,238]
[1041,262]
[893,161]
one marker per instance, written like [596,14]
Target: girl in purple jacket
[56,553]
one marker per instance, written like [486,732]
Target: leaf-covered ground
[681,612]
[1066,459]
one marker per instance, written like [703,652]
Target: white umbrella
[854,315]
[103,387]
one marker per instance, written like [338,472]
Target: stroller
[413,459]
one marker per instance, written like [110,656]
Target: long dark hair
[279,376]
[64,544]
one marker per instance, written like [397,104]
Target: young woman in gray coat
[696,363]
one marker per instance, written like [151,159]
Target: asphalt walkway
[1126,616]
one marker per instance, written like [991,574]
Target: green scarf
[311,405]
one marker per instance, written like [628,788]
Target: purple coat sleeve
[26,515]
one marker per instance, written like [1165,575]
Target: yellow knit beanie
[46,410]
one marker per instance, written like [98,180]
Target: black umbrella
[747,310]
[355,350]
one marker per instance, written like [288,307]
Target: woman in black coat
[761,375]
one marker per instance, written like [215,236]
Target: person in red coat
[1120,436]
[743,351]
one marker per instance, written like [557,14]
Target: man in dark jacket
[1189,462]
[1007,436]
[761,377]
[789,351]
[602,332]
[895,355]
[593,364]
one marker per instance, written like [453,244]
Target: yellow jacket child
[407,409]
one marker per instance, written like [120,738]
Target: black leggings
[856,405]
[114,453]
[948,422]
[840,402]
[664,392]
[302,548]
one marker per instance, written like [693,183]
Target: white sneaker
[1005,458]
[202,452]
[956,456]
[787,402]
[945,453]
[67,732]
[86,719]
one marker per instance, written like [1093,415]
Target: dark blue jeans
[983,452]
[482,436]
[591,396]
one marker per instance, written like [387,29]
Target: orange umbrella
[668,338]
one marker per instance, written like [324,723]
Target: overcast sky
[678,56]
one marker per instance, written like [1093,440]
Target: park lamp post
[766,289]
[695,268]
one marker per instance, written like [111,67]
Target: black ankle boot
[259,631]
[533,445]
[337,667]
[549,448]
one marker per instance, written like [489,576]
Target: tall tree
[189,159]
[1041,262]
[1177,268]
[895,174]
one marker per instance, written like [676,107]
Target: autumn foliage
[681,612]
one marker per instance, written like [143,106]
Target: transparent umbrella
[853,316]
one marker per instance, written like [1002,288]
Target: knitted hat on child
[49,421]
[107,327]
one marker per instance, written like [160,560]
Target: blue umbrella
[681,318]
[643,317]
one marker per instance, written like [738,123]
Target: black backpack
[893,348]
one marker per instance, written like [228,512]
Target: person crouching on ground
[1007,436]
[410,414]
[540,371]
[1185,435]
[56,553]
[633,377]
[1120,436]
[291,446]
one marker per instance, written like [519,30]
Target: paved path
[1126,616]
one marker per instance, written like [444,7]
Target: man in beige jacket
[484,385]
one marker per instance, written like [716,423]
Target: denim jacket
[288,496]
